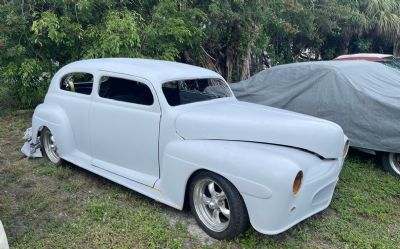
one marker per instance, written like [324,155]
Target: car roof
[364,56]
[156,71]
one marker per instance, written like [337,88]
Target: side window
[77,82]
[125,90]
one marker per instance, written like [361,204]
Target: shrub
[25,84]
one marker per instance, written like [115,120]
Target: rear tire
[217,205]
[49,146]
[390,162]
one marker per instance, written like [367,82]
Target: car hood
[241,121]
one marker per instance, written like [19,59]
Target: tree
[384,19]
[41,36]
[231,37]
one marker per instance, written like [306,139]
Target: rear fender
[54,118]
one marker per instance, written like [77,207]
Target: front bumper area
[282,211]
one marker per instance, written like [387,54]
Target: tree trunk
[229,64]
[344,43]
[396,47]
[210,62]
[245,65]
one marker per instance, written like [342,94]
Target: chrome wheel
[211,205]
[49,145]
[394,161]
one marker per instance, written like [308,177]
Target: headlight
[297,183]
[346,148]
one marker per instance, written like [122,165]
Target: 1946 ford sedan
[176,133]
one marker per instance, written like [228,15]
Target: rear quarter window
[81,83]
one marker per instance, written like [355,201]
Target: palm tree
[384,19]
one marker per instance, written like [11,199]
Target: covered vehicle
[175,132]
[362,97]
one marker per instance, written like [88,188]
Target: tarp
[362,97]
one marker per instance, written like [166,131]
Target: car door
[124,127]
[74,97]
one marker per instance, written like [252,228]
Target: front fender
[259,170]
[54,118]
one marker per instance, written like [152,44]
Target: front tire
[218,207]
[390,162]
[49,146]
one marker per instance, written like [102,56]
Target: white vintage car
[177,134]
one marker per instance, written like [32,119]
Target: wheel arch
[182,160]
[185,205]
[54,118]
[195,173]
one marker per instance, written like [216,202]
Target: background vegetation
[231,37]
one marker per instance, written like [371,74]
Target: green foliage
[172,30]
[26,82]
[116,36]
[56,38]
[384,21]
[231,37]
[48,26]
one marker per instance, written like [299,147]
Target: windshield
[182,92]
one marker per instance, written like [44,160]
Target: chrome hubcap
[394,160]
[50,146]
[211,205]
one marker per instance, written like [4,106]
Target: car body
[365,56]
[386,59]
[362,97]
[182,131]
[3,237]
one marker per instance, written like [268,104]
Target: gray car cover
[362,97]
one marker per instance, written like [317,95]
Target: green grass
[42,206]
